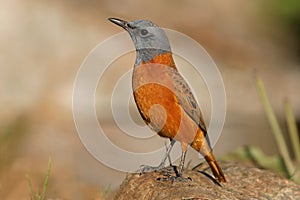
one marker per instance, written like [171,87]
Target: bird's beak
[124,24]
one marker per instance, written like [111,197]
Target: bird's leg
[168,151]
[178,173]
[181,164]
[145,168]
[182,159]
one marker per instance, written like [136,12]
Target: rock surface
[243,182]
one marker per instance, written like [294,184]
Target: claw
[147,168]
[177,178]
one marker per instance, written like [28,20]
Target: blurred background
[43,44]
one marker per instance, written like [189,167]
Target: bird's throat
[158,56]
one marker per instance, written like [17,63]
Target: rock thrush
[163,97]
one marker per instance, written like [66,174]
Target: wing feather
[186,98]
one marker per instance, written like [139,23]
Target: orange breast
[163,59]
[158,104]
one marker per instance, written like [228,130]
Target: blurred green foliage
[288,13]
[40,195]
[11,137]
[276,129]
[290,166]
[287,162]
[254,154]
[288,10]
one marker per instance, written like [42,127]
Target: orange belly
[158,105]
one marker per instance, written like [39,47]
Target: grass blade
[32,196]
[293,131]
[283,150]
[45,184]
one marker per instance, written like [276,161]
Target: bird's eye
[144,32]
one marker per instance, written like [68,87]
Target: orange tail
[215,168]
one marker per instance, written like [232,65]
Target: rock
[243,182]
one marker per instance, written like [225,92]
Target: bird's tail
[215,168]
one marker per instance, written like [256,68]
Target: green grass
[291,167]
[12,137]
[105,192]
[292,127]
[286,163]
[40,195]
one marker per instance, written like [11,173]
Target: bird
[164,99]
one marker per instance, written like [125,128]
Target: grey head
[148,38]
[144,34]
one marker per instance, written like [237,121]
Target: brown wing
[186,98]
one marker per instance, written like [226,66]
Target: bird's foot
[172,178]
[147,168]
[167,173]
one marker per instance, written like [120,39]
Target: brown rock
[243,182]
